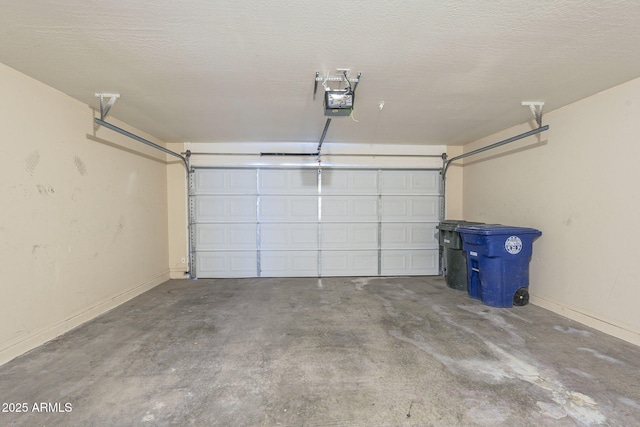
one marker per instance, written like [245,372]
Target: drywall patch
[46,267]
[31,162]
[80,166]
[132,182]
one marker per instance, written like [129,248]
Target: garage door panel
[349,263]
[349,208]
[288,181]
[288,263]
[414,182]
[403,235]
[226,264]
[266,222]
[225,181]
[289,236]
[337,181]
[409,262]
[288,209]
[409,208]
[349,236]
[226,236]
[225,209]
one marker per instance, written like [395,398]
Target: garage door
[312,222]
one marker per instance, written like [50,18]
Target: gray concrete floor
[329,352]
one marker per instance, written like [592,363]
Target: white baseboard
[592,320]
[33,339]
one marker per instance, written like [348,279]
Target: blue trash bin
[498,262]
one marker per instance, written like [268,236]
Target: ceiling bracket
[536,110]
[104,109]
[337,78]
[340,77]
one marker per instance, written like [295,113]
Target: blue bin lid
[496,229]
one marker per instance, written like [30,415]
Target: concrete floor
[329,352]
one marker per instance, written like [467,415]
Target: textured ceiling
[448,72]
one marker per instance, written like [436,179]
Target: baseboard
[38,337]
[177,273]
[592,320]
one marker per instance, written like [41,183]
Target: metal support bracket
[104,109]
[536,110]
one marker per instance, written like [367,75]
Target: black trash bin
[454,258]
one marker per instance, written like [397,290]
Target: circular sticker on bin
[513,245]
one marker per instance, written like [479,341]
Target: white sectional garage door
[310,222]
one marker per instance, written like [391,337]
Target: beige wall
[83,223]
[578,183]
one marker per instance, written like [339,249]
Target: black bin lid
[452,224]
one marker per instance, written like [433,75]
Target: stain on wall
[45,190]
[59,198]
[77,193]
[80,166]
[119,229]
[31,162]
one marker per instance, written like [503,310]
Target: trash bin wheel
[521,297]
